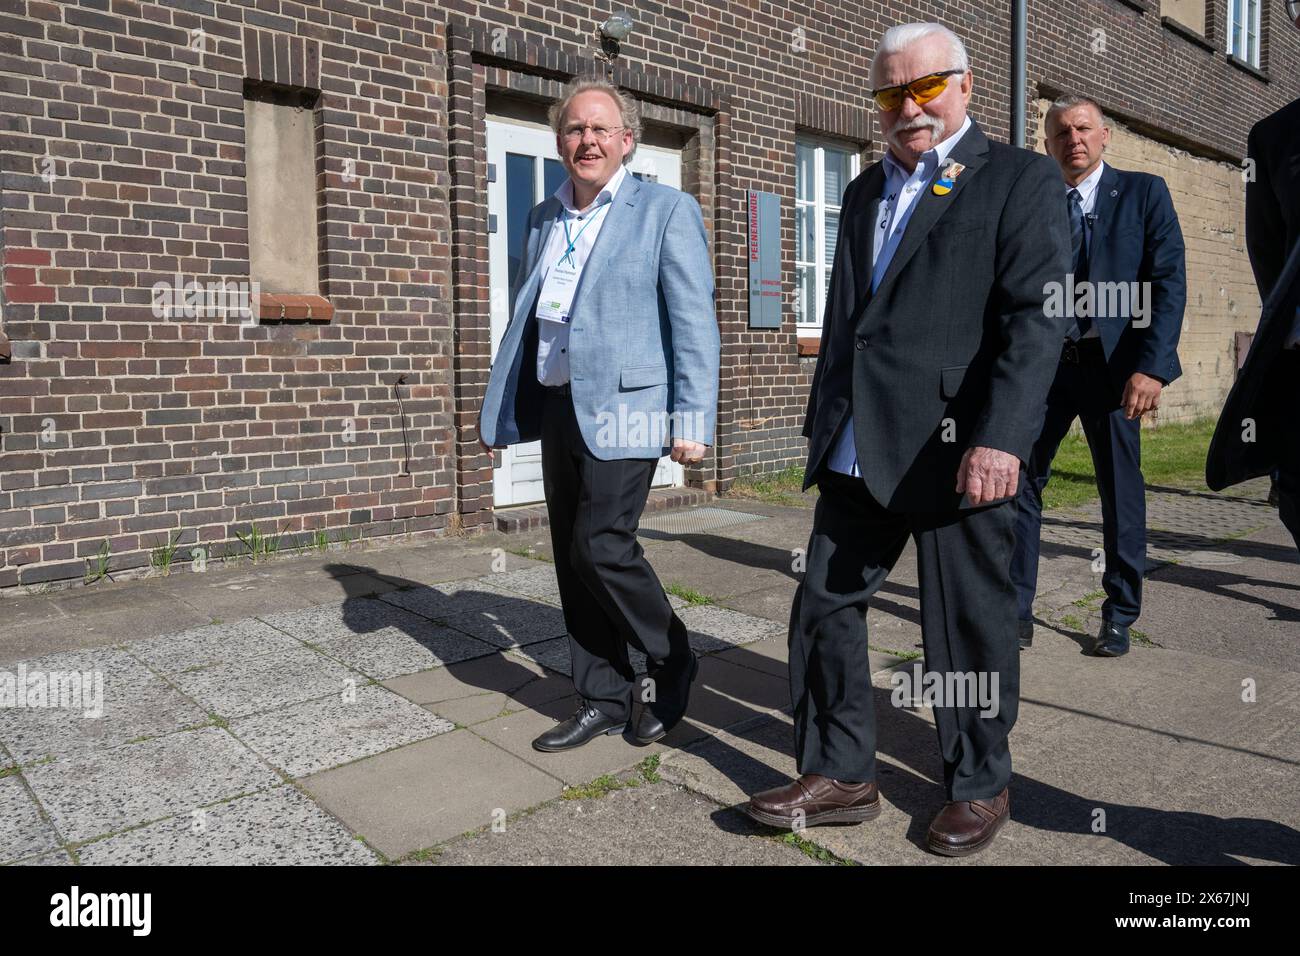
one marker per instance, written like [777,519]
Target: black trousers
[968,625]
[610,594]
[1083,389]
[1281,401]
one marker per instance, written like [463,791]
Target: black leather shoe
[587,723]
[1026,634]
[664,714]
[1112,640]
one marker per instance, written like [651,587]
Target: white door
[522,157]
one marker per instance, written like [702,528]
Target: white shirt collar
[1088,187]
[565,192]
[930,159]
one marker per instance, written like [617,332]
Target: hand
[987,474]
[1141,395]
[688,452]
[487,448]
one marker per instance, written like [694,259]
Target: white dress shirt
[897,203]
[584,226]
[1088,202]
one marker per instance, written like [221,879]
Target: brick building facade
[349,407]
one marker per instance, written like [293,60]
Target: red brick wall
[124,426]
[207,426]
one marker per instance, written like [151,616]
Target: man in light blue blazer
[611,359]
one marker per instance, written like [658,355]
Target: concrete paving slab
[673,828]
[267,682]
[277,827]
[442,601]
[132,702]
[606,754]
[84,628]
[57,858]
[497,672]
[104,791]
[417,796]
[534,580]
[512,625]
[23,831]
[388,653]
[319,734]
[467,711]
[214,644]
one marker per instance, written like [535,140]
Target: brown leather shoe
[814,799]
[964,827]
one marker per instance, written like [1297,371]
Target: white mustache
[922,122]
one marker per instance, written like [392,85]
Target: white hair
[899,38]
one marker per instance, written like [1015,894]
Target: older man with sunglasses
[936,357]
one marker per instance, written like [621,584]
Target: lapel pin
[948,177]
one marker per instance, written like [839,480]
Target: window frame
[819,263]
[1252,27]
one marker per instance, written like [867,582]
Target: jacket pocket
[642,376]
[950,380]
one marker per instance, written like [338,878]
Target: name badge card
[557,293]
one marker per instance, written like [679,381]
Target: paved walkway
[378,706]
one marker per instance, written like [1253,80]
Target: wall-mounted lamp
[614,31]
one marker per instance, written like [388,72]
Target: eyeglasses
[602,133]
[923,90]
[1293,9]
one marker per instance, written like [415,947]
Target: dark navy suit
[1132,236]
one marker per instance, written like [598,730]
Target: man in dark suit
[1128,293]
[1257,432]
[936,355]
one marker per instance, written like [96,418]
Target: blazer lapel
[1103,210]
[864,233]
[971,152]
[616,234]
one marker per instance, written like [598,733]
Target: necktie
[1079,245]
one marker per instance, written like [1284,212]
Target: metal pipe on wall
[1019,38]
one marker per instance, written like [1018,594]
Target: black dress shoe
[587,723]
[1112,640]
[1026,634]
[664,714]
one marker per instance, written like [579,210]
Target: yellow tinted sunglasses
[923,90]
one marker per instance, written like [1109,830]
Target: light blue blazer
[643,335]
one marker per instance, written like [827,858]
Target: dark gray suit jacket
[956,342]
[1273,241]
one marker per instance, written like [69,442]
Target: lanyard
[571,242]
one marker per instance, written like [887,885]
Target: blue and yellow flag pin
[947,177]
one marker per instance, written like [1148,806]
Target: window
[1243,30]
[822,172]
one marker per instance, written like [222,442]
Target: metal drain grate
[694,521]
